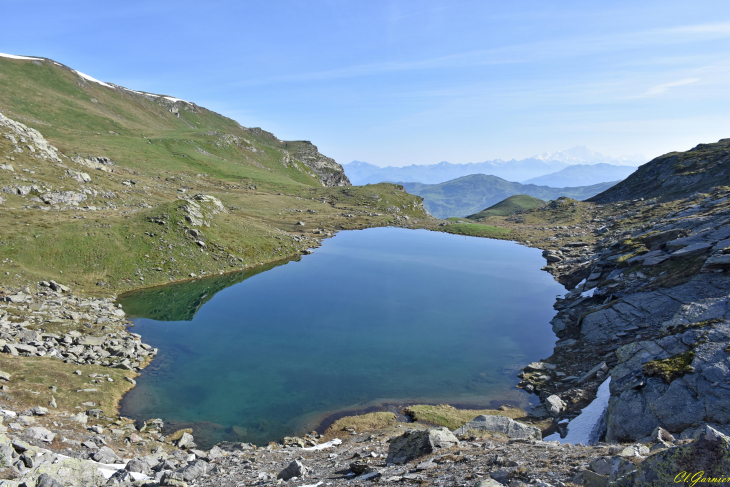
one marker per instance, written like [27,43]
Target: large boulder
[415,443]
[185,441]
[120,478]
[193,470]
[39,433]
[138,466]
[106,455]
[501,424]
[45,480]
[294,469]
[707,457]
[554,405]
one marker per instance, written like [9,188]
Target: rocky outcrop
[80,177]
[58,197]
[329,172]
[95,162]
[653,304]
[201,209]
[705,460]
[675,175]
[26,139]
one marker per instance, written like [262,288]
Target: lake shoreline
[419,363]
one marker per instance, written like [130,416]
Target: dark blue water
[373,316]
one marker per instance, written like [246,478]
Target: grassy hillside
[471,194]
[675,175]
[509,206]
[131,220]
[142,131]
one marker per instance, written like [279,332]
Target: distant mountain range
[583,175]
[361,173]
[471,194]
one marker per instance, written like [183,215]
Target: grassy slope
[509,206]
[471,194]
[117,245]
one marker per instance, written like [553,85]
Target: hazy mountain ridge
[581,155]
[583,175]
[513,170]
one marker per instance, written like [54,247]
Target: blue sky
[413,82]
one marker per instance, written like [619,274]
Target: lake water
[375,316]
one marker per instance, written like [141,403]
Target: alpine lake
[376,317]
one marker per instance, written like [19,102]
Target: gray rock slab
[501,424]
[416,443]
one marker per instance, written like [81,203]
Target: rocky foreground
[651,313]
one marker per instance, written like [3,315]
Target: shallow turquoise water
[373,316]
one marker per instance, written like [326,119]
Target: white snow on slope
[108,472]
[94,80]
[89,78]
[587,427]
[133,91]
[13,56]
[174,99]
[329,444]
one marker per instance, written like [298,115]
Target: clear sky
[413,82]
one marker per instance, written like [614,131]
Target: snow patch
[588,426]
[329,444]
[26,58]
[108,472]
[588,293]
[175,99]
[576,288]
[133,91]
[94,80]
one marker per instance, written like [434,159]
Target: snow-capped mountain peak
[581,154]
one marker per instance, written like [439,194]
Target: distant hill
[509,206]
[675,175]
[471,194]
[583,175]
[361,173]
